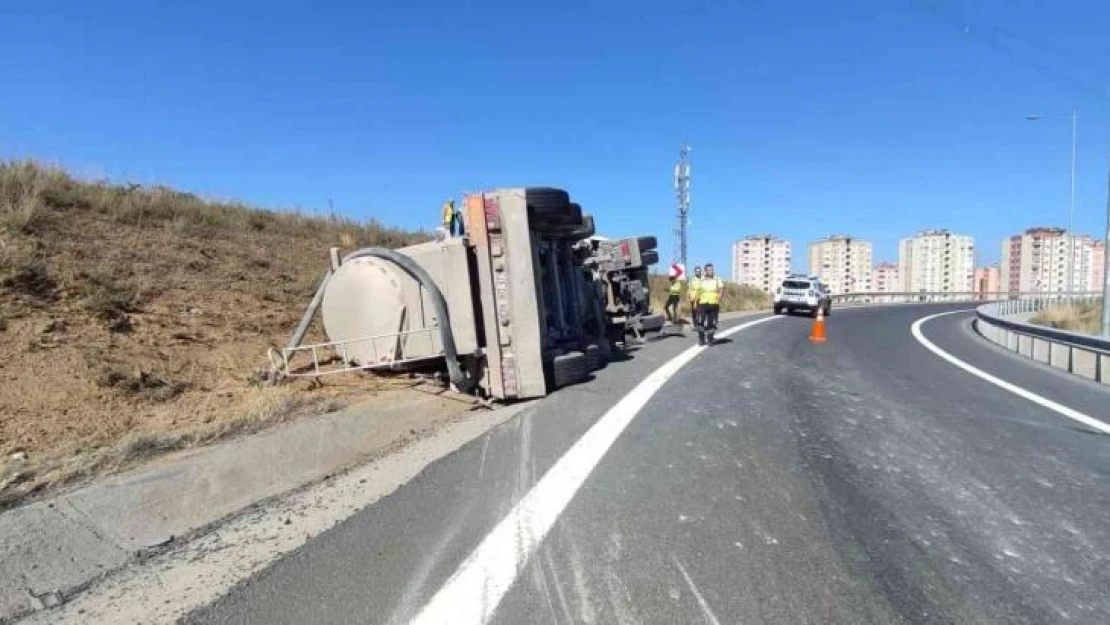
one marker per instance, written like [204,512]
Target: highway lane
[956,335]
[771,480]
[383,563]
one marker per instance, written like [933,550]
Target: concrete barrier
[1040,350]
[1006,324]
[1085,363]
[1025,346]
[1059,355]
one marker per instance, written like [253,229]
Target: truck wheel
[828,310]
[586,230]
[569,368]
[778,310]
[615,333]
[544,198]
[565,219]
[576,231]
[650,257]
[595,358]
[552,204]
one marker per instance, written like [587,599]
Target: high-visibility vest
[448,212]
[709,291]
[675,288]
[693,288]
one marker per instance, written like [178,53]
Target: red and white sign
[677,270]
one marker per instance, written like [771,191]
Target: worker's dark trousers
[709,314]
[695,312]
[455,226]
[671,307]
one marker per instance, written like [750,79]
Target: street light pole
[1106,263]
[1070,267]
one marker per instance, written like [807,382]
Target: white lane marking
[710,617]
[485,448]
[473,593]
[1013,388]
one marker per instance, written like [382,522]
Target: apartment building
[884,278]
[937,261]
[1090,256]
[842,262]
[1036,261]
[1098,268]
[761,261]
[988,280]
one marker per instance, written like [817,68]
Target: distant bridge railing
[1006,323]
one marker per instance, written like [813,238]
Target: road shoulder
[54,549]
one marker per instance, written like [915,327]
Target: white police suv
[802,292]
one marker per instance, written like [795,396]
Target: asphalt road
[770,480]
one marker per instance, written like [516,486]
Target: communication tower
[682,194]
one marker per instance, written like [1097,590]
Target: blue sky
[873,118]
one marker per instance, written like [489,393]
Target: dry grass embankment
[1084,317]
[133,320]
[735,297]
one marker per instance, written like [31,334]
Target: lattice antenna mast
[682,194]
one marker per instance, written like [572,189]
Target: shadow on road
[665,335]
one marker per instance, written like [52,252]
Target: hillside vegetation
[735,297]
[1083,317]
[135,319]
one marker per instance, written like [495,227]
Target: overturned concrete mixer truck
[529,300]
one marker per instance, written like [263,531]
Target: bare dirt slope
[135,320]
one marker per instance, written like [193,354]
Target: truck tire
[595,357]
[647,243]
[615,333]
[569,368]
[552,204]
[546,197]
[586,230]
[564,221]
[574,232]
[650,257]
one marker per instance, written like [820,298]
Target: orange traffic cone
[818,334]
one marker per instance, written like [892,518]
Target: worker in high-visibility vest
[674,296]
[452,219]
[692,293]
[710,289]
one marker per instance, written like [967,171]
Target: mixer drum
[371,306]
[380,314]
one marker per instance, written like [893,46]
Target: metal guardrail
[927,297]
[1004,323]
